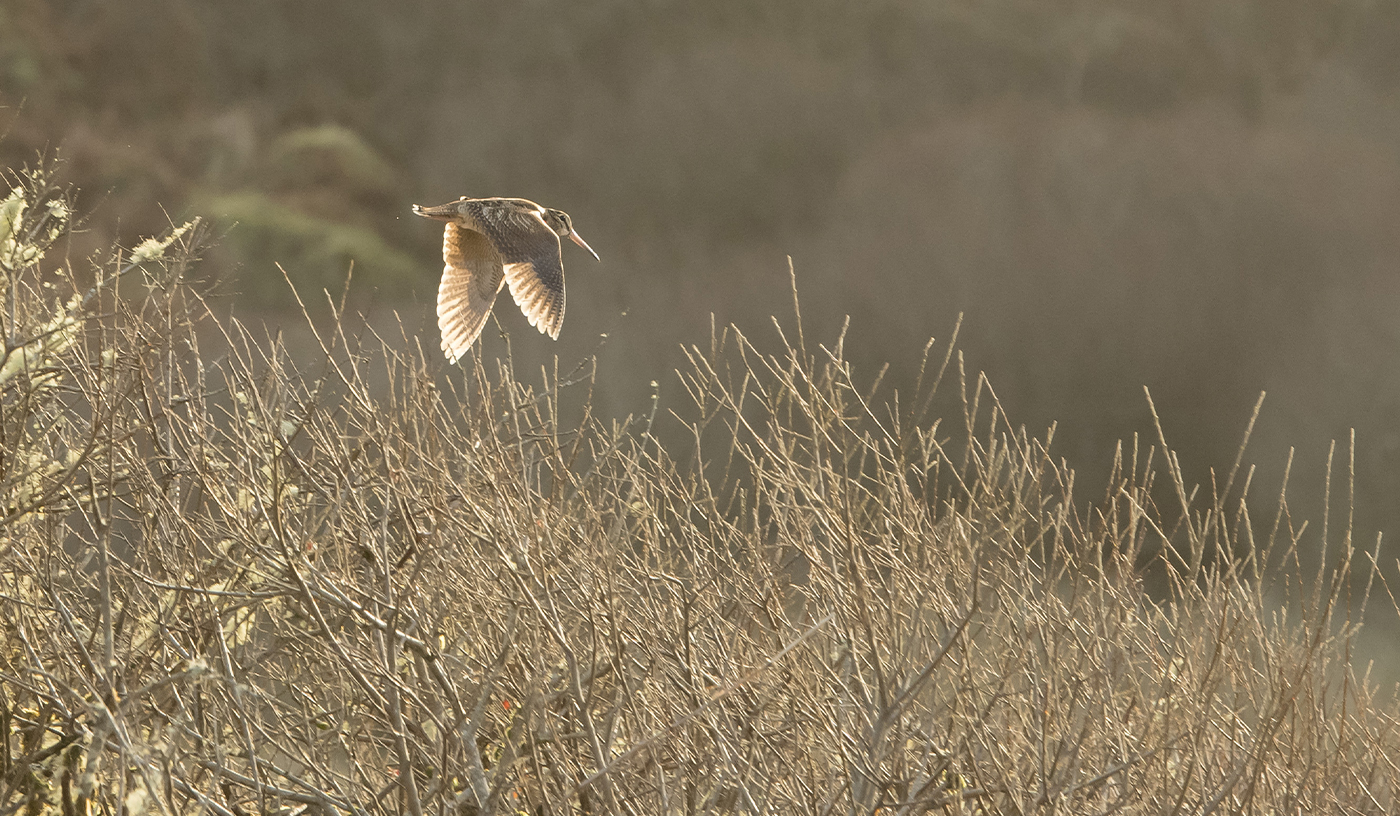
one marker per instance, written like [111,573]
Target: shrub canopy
[237,579]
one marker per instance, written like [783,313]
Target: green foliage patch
[315,251]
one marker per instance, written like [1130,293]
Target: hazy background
[1200,196]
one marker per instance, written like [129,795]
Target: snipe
[491,242]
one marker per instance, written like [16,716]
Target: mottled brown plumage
[491,242]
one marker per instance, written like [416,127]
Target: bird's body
[493,242]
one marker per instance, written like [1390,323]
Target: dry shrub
[1198,196]
[232,585]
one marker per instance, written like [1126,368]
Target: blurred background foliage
[1200,196]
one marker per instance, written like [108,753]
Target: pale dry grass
[373,585]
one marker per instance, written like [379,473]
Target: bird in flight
[491,242]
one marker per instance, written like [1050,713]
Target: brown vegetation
[234,582]
[1195,196]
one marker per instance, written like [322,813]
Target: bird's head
[558,220]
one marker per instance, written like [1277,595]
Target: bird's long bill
[582,243]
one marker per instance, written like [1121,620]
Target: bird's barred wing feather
[471,277]
[530,256]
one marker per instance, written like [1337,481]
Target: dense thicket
[236,582]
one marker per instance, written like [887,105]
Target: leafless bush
[232,585]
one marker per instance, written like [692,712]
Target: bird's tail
[443,212]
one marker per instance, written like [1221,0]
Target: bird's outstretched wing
[471,277]
[529,252]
